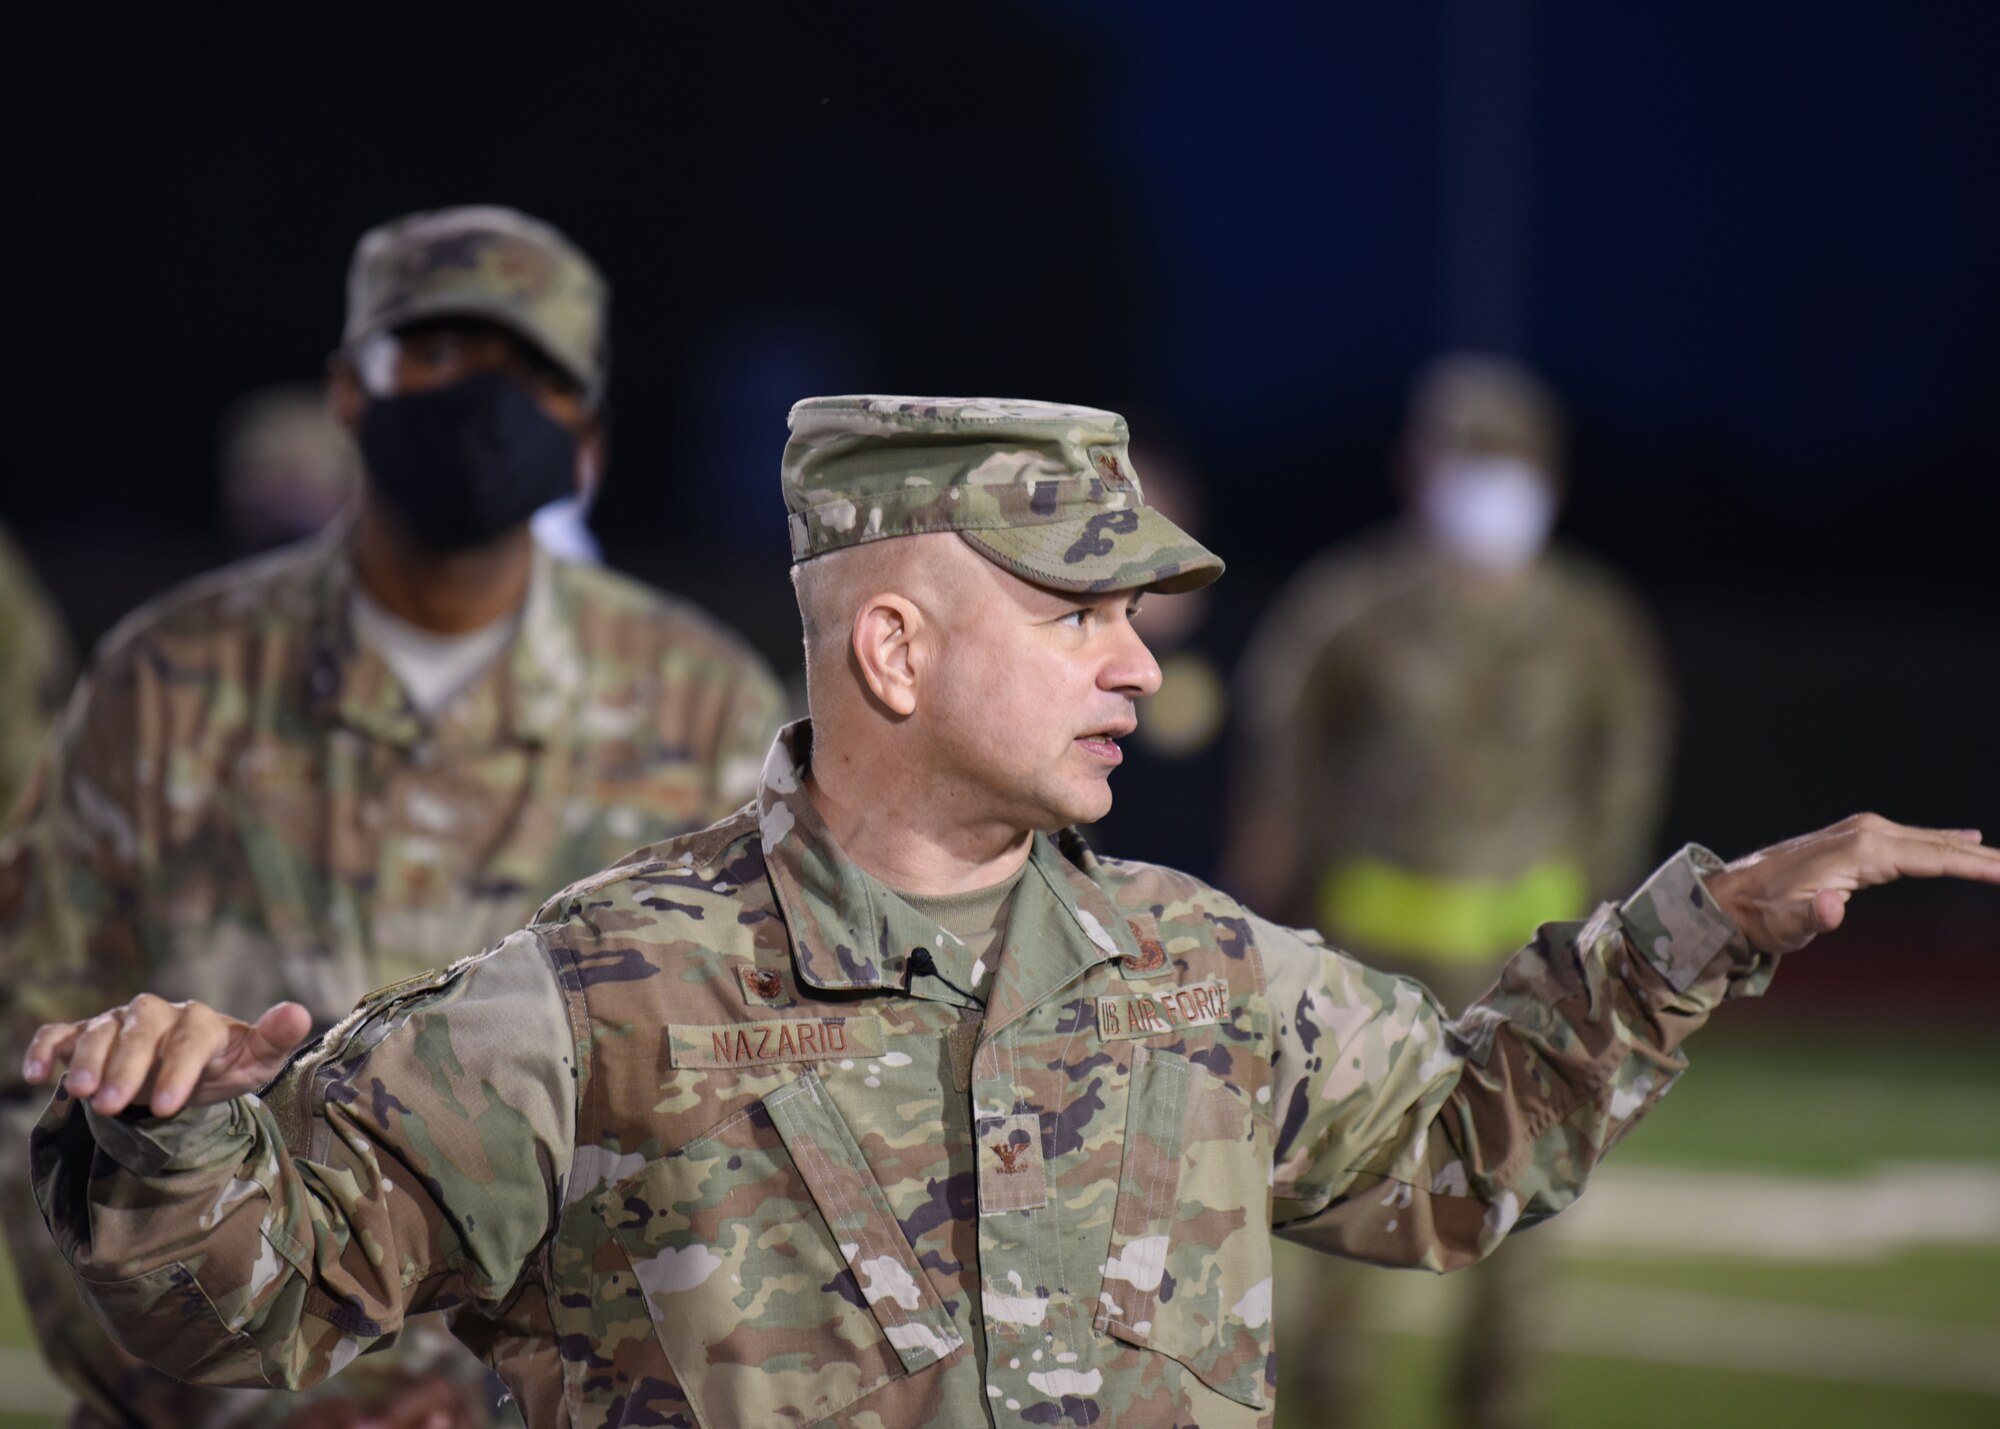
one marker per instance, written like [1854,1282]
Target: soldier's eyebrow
[1041,602]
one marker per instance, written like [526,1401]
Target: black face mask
[462,464]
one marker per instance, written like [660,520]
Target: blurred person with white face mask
[1453,731]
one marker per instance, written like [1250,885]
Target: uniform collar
[850,932]
[527,697]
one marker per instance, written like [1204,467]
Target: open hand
[1786,895]
[165,1055]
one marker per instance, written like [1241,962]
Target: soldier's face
[426,356]
[1031,690]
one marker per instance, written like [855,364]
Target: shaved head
[945,686]
[930,571]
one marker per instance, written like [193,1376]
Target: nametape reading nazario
[1172,1009]
[779,1039]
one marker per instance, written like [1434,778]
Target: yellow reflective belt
[1377,905]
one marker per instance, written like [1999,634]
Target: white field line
[1677,1327]
[1853,1347]
[1649,1212]
[1658,1211]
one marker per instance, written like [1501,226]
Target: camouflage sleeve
[750,720]
[410,1160]
[1404,1139]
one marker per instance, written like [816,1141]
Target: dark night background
[1753,244]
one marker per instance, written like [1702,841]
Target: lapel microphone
[923,965]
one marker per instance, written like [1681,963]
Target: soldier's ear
[590,453]
[344,397]
[882,646]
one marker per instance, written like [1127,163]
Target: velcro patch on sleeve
[777,1039]
[1169,1009]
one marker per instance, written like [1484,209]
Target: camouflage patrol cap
[486,262]
[1491,405]
[1045,491]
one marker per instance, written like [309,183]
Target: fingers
[283,1027]
[185,1054]
[149,1051]
[1867,850]
[86,1059]
[1931,853]
[160,1044]
[48,1049]
[129,1052]
[1856,825]
[1786,895]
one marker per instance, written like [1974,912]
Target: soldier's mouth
[1103,743]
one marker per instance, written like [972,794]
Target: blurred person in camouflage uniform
[289,466]
[1451,734]
[352,760]
[884,1102]
[36,667]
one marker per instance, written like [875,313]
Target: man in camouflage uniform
[356,759]
[1451,736]
[35,669]
[289,467]
[884,1103]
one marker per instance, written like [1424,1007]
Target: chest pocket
[779,1285]
[1189,1273]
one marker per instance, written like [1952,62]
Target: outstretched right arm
[410,1160]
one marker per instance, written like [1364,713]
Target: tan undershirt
[972,925]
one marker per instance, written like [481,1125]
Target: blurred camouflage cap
[1045,491]
[486,262]
[1476,402]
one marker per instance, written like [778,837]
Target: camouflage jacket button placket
[1016,1296]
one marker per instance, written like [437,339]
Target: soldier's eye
[1076,619]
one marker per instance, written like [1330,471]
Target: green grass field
[1831,1107]
[30,1399]
[1595,1393]
[1834,1108]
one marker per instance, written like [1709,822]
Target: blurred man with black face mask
[1454,731]
[353,760]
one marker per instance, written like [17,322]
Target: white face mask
[1492,512]
[562,528]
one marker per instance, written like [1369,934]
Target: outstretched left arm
[1407,1140]
[1786,895]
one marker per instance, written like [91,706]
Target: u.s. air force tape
[1169,1009]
